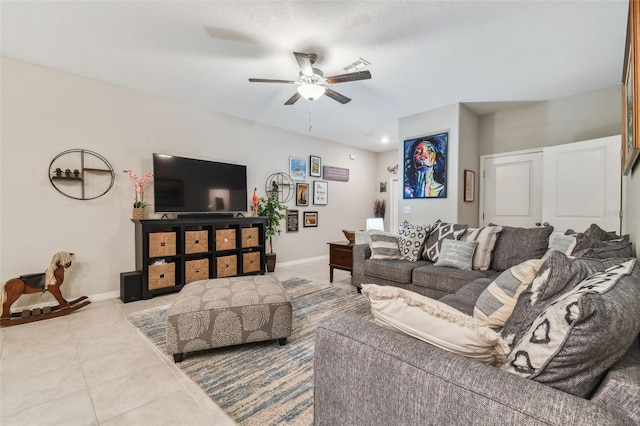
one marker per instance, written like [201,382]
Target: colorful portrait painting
[425,166]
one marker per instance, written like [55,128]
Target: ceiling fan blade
[292,100]
[352,76]
[268,80]
[305,63]
[336,96]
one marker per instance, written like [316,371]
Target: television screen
[189,185]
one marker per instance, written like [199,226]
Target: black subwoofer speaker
[130,286]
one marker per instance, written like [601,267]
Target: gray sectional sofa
[366,374]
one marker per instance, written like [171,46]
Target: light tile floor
[93,367]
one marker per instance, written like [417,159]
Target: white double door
[568,186]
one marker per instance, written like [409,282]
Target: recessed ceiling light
[384,139]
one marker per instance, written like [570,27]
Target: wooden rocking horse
[50,281]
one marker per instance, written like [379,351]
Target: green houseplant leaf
[271,208]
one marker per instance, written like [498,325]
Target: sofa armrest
[366,374]
[361,252]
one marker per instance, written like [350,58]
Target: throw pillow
[561,243]
[557,275]
[495,304]
[516,245]
[440,232]
[411,240]
[435,323]
[597,233]
[384,245]
[457,254]
[570,345]
[486,238]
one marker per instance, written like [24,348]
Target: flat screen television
[191,186]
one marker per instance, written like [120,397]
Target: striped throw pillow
[496,303]
[384,245]
[486,238]
[456,254]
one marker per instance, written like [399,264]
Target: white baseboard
[300,261]
[94,298]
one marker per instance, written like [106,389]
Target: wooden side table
[340,257]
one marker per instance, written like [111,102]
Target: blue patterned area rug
[264,383]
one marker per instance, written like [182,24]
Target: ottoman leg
[282,341]
[178,357]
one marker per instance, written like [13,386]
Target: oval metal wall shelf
[81,174]
[280,183]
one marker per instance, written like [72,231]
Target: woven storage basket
[225,239]
[250,237]
[251,262]
[162,244]
[227,266]
[196,270]
[196,241]
[162,275]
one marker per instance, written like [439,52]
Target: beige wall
[45,112]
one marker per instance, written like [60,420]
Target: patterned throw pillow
[440,232]
[486,238]
[495,304]
[435,322]
[384,245]
[585,331]
[412,239]
[456,254]
[557,275]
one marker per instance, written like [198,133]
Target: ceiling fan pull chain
[310,111]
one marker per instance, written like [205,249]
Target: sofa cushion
[465,298]
[411,240]
[557,275]
[585,331]
[606,249]
[400,271]
[486,238]
[457,254]
[441,231]
[384,245]
[445,279]
[516,245]
[434,322]
[495,305]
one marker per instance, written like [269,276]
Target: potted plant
[271,208]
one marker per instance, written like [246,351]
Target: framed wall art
[469,186]
[315,166]
[302,194]
[310,219]
[630,89]
[292,221]
[320,192]
[425,166]
[297,168]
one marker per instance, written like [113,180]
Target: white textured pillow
[496,303]
[384,245]
[486,238]
[435,322]
[561,243]
[456,254]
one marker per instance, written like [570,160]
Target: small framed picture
[320,192]
[292,220]
[302,194]
[469,185]
[315,166]
[310,219]
[297,168]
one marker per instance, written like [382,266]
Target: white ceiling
[423,54]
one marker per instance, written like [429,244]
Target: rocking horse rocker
[50,281]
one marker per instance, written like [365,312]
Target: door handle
[545,223]
[538,224]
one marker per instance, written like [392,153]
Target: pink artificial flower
[139,187]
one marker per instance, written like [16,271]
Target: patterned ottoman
[228,311]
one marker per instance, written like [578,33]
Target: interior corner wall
[590,115]
[469,159]
[631,207]
[45,112]
[428,210]
[385,159]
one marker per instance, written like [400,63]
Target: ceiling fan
[312,83]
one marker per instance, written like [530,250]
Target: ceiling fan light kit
[311,91]
[312,83]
